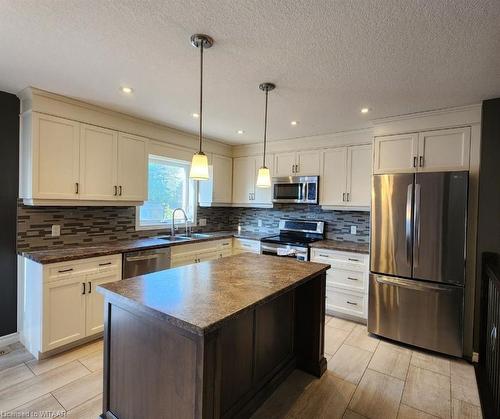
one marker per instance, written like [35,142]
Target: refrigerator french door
[417,259]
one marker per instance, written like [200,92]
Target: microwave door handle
[306,187]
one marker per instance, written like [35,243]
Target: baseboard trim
[9,339]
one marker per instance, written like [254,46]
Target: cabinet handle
[77,185]
[414,161]
[105,264]
[83,292]
[120,190]
[351,303]
[343,196]
[226,244]
[297,168]
[352,279]
[90,287]
[293,168]
[421,161]
[323,256]
[353,260]
[65,270]
[116,190]
[347,196]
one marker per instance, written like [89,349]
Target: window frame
[168,224]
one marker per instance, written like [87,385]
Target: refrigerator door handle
[409,194]
[417,225]
[411,284]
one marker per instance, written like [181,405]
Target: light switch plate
[354,230]
[202,222]
[56,230]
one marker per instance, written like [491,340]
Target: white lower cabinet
[188,254]
[346,282]
[59,302]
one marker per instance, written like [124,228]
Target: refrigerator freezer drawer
[423,314]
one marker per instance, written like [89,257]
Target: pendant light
[264,175]
[199,164]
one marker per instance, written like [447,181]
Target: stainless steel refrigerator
[417,259]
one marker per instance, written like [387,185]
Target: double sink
[180,237]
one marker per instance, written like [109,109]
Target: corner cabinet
[245,193]
[346,179]
[65,162]
[218,189]
[428,151]
[59,304]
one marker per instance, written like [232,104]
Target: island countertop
[200,297]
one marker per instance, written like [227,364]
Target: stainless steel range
[294,239]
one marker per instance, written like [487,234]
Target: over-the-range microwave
[296,189]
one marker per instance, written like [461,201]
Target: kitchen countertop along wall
[90,225]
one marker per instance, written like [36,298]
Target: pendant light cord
[201,90]
[265,131]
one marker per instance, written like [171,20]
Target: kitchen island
[210,340]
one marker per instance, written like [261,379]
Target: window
[169,187]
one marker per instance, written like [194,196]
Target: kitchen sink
[174,238]
[199,236]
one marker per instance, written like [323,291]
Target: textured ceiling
[328,58]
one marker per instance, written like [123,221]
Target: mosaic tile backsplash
[84,225]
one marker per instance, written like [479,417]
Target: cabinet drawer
[57,271]
[346,260]
[247,245]
[354,280]
[345,302]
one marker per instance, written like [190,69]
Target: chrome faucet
[172,232]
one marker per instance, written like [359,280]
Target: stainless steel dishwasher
[145,261]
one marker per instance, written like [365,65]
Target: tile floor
[366,378]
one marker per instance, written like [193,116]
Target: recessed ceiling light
[196,115]
[294,123]
[126,89]
[240,131]
[365,110]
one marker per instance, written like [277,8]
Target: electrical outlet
[202,222]
[56,230]
[354,230]
[259,223]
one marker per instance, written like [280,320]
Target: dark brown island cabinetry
[211,340]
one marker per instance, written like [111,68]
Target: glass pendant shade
[264,178]
[199,167]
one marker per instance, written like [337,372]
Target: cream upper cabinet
[428,151]
[132,167]
[55,158]
[333,183]
[243,179]
[300,163]
[98,163]
[308,163]
[284,164]
[444,150]
[64,312]
[346,179]
[395,153]
[219,187]
[359,172]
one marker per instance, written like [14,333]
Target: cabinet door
[444,150]
[284,164]
[308,163]
[395,153]
[334,180]
[98,157]
[56,143]
[132,167]
[63,312]
[204,256]
[222,179]
[359,172]
[263,195]
[243,179]
[94,305]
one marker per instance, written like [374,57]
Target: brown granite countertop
[69,253]
[343,246]
[200,297]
